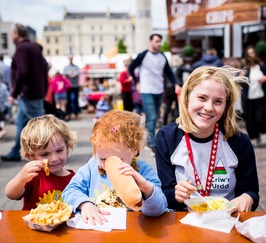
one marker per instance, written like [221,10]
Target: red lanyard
[199,185]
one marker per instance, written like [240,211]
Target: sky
[37,13]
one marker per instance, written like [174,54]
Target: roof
[82,15]
[52,28]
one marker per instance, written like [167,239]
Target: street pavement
[83,151]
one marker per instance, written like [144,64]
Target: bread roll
[124,185]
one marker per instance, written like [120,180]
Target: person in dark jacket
[153,66]
[205,150]
[28,83]
[209,59]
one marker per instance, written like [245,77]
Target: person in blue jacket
[209,59]
[121,134]
[205,150]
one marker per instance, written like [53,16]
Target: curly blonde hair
[229,77]
[39,131]
[117,126]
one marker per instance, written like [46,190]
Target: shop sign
[184,8]
[220,17]
[177,10]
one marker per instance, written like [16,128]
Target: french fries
[46,168]
[50,214]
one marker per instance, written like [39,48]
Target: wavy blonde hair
[39,131]
[117,126]
[229,77]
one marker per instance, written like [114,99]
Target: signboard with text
[177,10]
[189,14]
[226,14]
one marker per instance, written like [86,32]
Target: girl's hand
[30,170]
[183,190]
[243,203]
[145,186]
[92,213]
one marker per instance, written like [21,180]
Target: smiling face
[116,149]
[56,153]
[206,106]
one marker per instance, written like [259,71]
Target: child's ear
[135,152]
[27,156]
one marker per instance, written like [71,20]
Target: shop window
[3,41]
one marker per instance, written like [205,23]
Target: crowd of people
[203,137]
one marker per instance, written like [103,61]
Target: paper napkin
[253,228]
[116,220]
[225,225]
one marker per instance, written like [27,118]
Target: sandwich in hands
[124,185]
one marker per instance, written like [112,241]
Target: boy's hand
[30,170]
[92,213]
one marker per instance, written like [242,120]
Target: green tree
[122,48]
[165,46]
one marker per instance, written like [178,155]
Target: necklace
[201,190]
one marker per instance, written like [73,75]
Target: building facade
[6,45]
[143,24]
[88,33]
[226,25]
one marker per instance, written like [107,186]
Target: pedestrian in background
[103,105]
[209,59]
[253,96]
[5,72]
[59,86]
[71,71]
[170,96]
[4,94]
[153,66]
[126,87]
[28,83]
[5,77]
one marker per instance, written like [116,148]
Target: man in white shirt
[153,68]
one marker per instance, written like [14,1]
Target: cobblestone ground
[83,151]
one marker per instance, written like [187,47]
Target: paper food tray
[40,227]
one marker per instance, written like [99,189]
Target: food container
[47,217]
[197,207]
[40,227]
